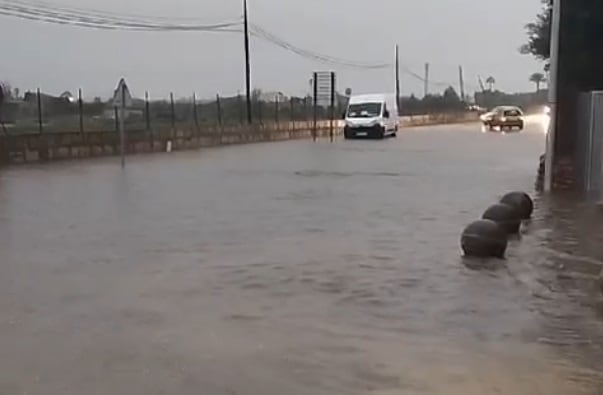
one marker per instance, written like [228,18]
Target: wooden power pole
[247,63]
[426,80]
[398,78]
[462,83]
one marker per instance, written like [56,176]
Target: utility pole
[398,78]
[462,84]
[426,80]
[247,62]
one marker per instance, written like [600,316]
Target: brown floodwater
[296,268]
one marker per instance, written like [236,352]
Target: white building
[271,97]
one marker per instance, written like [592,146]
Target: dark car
[504,117]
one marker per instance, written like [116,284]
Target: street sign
[324,87]
[121,100]
[122,96]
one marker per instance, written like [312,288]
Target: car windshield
[512,113]
[506,111]
[364,110]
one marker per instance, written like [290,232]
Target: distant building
[271,97]
[51,105]
[109,113]
[136,111]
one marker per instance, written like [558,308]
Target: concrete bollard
[505,216]
[521,201]
[483,239]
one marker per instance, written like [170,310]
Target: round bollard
[521,201]
[484,238]
[504,215]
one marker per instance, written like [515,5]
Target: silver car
[503,117]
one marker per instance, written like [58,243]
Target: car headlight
[503,119]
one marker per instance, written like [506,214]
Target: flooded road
[295,268]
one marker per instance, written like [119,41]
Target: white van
[374,116]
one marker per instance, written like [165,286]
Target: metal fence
[37,112]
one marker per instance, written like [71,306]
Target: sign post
[121,100]
[332,111]
[1,103]
[324,95]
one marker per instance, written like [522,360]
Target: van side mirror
[343,115]
[386,114]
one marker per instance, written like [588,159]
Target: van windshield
[364,110]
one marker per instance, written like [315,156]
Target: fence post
[39,99]
[276,115]
[219,108]
[315,106]
[260,115]
[2,97]
[116,116]
[173,115]
[80,102]
[332,112]
[196,115]
[147,111]
[305,114]
[291,114]
[147,115]
[241,110]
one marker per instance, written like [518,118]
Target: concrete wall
[438,119]
[23,148]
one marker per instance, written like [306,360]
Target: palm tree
[490,81]
[537,78]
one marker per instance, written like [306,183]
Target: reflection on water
[296,268]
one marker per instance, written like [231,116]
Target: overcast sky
[483,36]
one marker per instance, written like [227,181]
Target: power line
[261,33]
[92,11]
[40,11]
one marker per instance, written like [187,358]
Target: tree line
[227,110]
[581,29]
